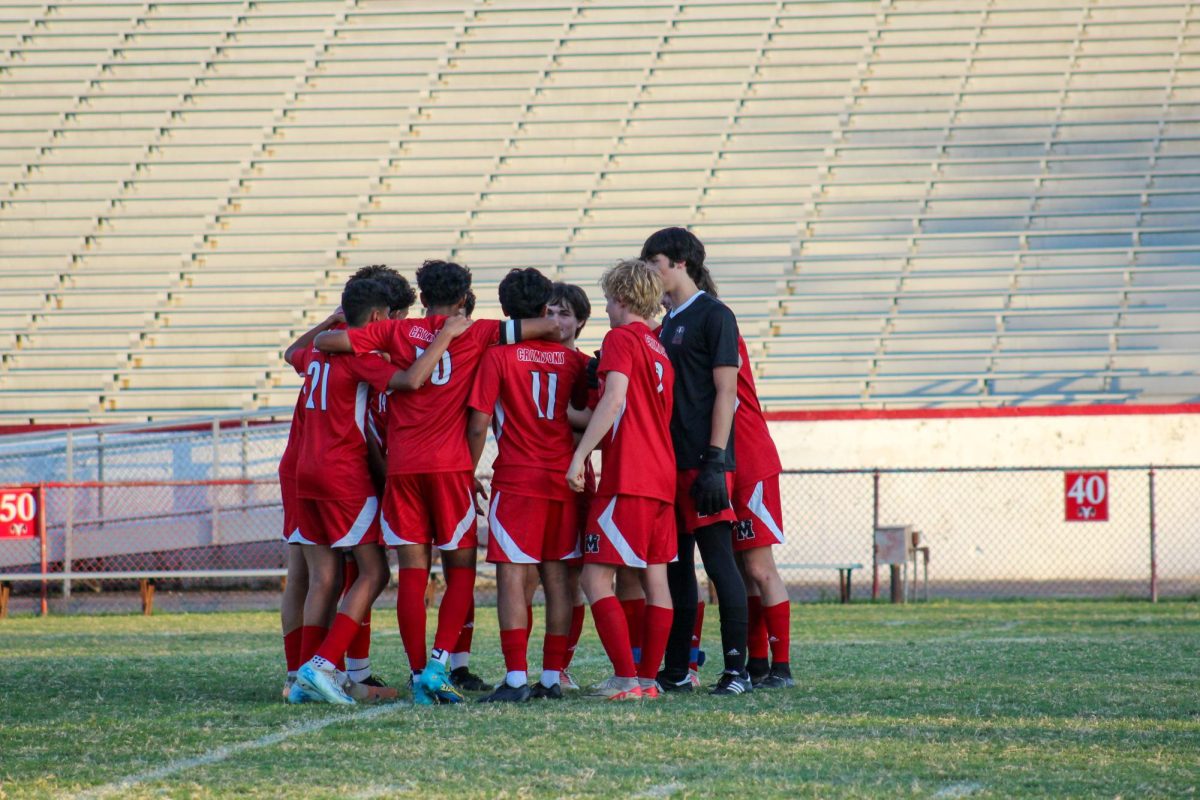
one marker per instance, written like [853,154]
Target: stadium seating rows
[907,202]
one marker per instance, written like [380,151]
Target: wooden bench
[844,571]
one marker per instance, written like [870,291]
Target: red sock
[463,645]
[456,602]
[410,614]
[757,645]
[291,649]
[614,635]
[696,632]
[635,611]
[655,630]
[576,631]
[779,623]
[311,637]
[529,619]
[514,643]
[360,646]
[349,574]
[554,653]
[333,648]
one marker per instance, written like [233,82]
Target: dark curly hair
[443,283]
[680,244]
[362,296]
[469,304]
[400,293]
[524,293]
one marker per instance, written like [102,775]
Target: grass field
[1081,699]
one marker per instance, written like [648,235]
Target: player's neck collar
[684,305]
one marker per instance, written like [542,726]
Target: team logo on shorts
[745,530]
[591,543]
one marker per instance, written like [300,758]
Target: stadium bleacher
[907,202]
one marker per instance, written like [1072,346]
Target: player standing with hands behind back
[700,335]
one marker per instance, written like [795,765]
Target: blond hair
[636,285]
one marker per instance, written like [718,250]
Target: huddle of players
[664,405]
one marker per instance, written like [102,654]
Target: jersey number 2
[317,377]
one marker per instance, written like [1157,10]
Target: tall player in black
[701,337]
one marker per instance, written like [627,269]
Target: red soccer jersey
[756,455]
[639,458]
[291,451]
[332,459]
[429,426]
[526,388]
[377,414]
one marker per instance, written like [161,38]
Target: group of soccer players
[387,434]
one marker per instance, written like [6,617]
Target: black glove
[709,490]
[593,366]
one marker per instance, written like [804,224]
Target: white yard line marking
[665,790]
[228,751]
[958,790]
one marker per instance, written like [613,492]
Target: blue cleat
[436,683]
[324,684]
[420,696]
[297,695]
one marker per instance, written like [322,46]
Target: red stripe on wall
[981,413]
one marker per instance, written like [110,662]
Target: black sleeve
[721,335]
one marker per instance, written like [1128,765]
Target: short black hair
[524,293]
[443,283]
[360,297]
[400,294]
[575,298]
[469,304]
[681,245]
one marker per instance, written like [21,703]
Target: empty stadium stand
[907,202]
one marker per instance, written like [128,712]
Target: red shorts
[759,513]
[339,522]
[685,506]
[435,508]
[630,531]
[291,520]
[530,530]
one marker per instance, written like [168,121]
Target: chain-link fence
[998,532]
[197,508]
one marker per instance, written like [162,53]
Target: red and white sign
[19,512]
[1087,496]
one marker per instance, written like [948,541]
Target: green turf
[945,700]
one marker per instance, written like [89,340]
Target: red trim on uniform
[1099,410]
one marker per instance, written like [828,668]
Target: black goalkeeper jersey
[700,335]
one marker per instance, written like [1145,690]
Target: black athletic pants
[716,551]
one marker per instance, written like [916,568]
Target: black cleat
[759,669]
[731,683]
[675,685]
[374,680]
[468,681]
[508,694]
[780,677]
[540,692]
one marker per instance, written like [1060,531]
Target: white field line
[225,752]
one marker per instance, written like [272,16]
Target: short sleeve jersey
[427,428]
[291,451]
[526,388]
[332,461]
[757,456]
[638,458]
[699,335]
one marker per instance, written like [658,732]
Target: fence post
[1153,543]
[41,502]
[874,525]
[69,523]
[216,474]
[245,461]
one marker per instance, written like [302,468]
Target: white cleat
[326,684]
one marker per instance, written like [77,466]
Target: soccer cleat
[567,681]
[731,683]
[780,677]
[287,686]
[325,684]
[468,681]
[437,683]
[420,696]
[508,694]
[297,695]
[650,690]
[615,688]
[759,669]
[542,692]
[372,690]
[675,686]
[694,677]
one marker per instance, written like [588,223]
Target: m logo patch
[745,530]
[591,543]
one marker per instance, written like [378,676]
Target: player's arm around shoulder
[413,378]
[307,339]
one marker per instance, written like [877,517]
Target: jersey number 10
[441,373]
